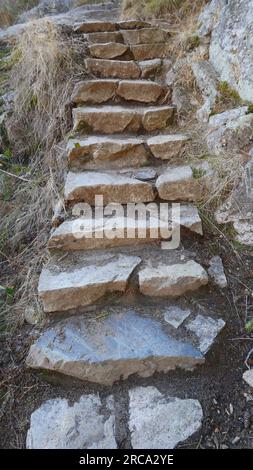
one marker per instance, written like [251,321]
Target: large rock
[112,186]
[109,50]
[166,147]
[206,330]
[83,281]
[113,68]
[144,36]
[140,90]
[173,280]
[84,425]
[178,183]
[158,421]
[115,119]
[110,347]
[87,233]
[231,51]
[94,91]
[102,152]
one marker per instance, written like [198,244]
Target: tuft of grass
[11,9]
[228,98]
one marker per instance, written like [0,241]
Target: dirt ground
[226,400]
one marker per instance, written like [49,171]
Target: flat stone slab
[69,285]
[115,188]
[110,347]
[83,425]
[133,24]
[144,36]
[105,37]
[140,90]
[110,50]
[216,272]
[174,280]
[179,183]
[113,68]
[157,421]
[149,51]
[94,91]
[96,27]
[206,330]
[166,147]
[116,119]
[82,233]
[149,68]
[104,152]
[175,316]
[248,377]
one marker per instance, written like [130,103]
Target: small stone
[31,316]
[83,425]
[206,329]
[175,316]
[146,174]
[160,422]
[216,272]
[248,377]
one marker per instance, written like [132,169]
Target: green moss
[198,173]
[77,145]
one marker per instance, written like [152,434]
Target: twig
[247,358]
[15,176]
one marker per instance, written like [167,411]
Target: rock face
[172,280]
[206,329]
[111,347]
[83,425]
[207,81]
[231,51]
[74,286]
[160,422]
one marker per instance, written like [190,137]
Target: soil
[226,400]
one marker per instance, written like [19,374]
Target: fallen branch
[14,176]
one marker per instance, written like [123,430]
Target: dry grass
[174,10]
[11,9]
[47,64]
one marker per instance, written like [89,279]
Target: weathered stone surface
[206,330]
[83,425]
[216,272]
[166,147]
[146,174]
[112,186]
[109,50]
[175,316]
[133,24]
[231,51]
[94,91]
[179,184]
[95,27]
[244,229]
[149,68]
[113,68]
[144,36]
[119,230]
[115,119]
[72,286]
[230,133]
[173,280]
[102,152]
[140,90]
[102,38]
[207,81]
[111,347]
[248,377]
[149,51]
[161,422]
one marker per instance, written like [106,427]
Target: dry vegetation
[11,9]
[47,62]
[174,10]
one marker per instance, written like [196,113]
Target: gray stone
[146,174]
[83,425]
[207,81]
[227,117]
[248,377]
[165,280]
[206,330]
[64,286]
[244,230]
[175,316]
[111,346]
[160,422]
[216,272]
[32,316]
[178,183]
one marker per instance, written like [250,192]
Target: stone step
[121,152]
[116,188]
[179,183]
[102,38]
[101,91]
[140,52]
[116,119]
[150,68]
[118,343]
[107,26]
[171,280]
[83,233]
[145,36]
[107,68]
[83,280]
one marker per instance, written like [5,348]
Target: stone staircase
[126,301]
